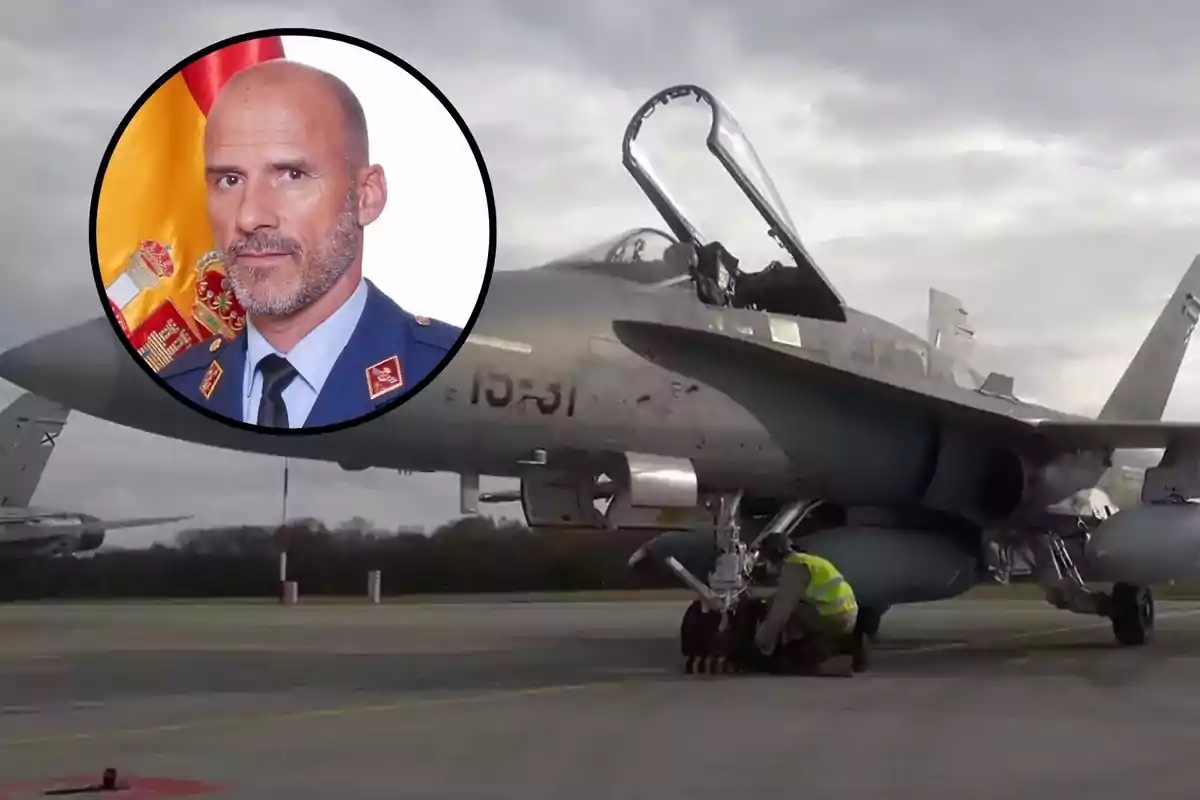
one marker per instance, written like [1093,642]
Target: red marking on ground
[138,788]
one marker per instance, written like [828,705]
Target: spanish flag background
[165,283]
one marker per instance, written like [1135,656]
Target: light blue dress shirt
[313,358]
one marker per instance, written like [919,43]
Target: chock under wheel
[711,665]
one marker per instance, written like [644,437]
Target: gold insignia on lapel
[422,321]
[215,346]
[384,377]
[209,384]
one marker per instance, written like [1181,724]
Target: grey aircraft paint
[29,427]
[635,361]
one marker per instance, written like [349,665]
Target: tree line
[470,554]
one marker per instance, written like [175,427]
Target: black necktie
[277,374]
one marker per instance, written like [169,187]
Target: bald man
[290,190]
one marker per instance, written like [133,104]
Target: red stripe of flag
[206,76]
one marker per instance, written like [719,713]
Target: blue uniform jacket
[384,330]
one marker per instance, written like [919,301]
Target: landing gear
[712,632]
[696,630]
[1130,608]
[699,631]
[1132,613]
[717,633]
[716,643]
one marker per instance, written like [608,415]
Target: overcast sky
[1040,161]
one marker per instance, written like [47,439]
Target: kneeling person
[812,603]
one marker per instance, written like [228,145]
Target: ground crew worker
[813,604]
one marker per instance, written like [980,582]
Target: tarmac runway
[969,699]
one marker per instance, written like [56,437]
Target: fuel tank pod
[1146,545]
[885,566]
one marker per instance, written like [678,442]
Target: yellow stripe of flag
[153,238]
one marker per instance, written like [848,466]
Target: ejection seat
[720,282]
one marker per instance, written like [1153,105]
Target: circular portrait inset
[293,231]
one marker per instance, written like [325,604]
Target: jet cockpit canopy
[638,255]
[804,288]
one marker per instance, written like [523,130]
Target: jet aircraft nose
[76,366]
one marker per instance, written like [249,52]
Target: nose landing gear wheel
[1132,614]
[707,650]
[697,631]
[698,634]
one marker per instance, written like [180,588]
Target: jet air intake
[970,478]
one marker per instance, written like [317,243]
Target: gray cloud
[1037,160]
[1102,71]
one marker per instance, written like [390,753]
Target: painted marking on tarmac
[134,787]
[337,711]
[32,656]
[44,709]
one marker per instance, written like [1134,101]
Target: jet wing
[1105,434]
[56,523]
[734,354]
[137,522]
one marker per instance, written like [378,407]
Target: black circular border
[483,173]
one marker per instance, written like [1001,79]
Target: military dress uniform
[388,353]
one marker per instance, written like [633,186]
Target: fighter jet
[650,382]
[28,430]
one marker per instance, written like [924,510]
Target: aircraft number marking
[499,390]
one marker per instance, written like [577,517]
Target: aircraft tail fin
[1143,391]
[28,428]
[949,325]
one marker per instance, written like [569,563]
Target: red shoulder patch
[384,377]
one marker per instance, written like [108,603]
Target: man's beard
[257,289]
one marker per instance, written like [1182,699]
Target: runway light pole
[283,537]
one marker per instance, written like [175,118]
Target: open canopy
[729,144]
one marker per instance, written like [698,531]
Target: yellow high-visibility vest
[828,591]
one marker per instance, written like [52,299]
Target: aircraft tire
[742,646]
[697,630]
[1132,614]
